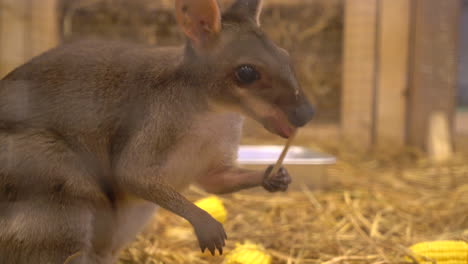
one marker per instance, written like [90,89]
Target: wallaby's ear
[199,19]
[250,8]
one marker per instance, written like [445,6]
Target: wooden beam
[13,32]
[393,62]
[44,26]
[434,66]
[359,72]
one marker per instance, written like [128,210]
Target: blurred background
[389,79]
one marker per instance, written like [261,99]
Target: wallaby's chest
[210,144]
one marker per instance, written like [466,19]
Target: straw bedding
[373,210]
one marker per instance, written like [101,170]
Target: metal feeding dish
[306,167]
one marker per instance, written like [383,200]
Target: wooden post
[434,67]
[463,66]
[27,29]
[399,73]
[44,26]
[359,72]
[13,33]
[394,41]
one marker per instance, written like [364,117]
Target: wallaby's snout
[302,114]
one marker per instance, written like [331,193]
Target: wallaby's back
[87,85]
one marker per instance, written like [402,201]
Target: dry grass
[375,209]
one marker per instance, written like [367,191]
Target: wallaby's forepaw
[210,233]
[278,182]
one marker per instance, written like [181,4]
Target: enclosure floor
[374,210]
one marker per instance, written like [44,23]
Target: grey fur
[95,135]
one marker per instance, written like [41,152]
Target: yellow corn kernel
[441,252]
[248,253]
[214,206]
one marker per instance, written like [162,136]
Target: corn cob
[441,252]
[214,206]
[248,253]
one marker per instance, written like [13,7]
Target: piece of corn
[441,252]
[248,253]
[214,206]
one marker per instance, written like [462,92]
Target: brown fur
[95,135]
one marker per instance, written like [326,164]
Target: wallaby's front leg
[230,180]
[210,233]
[138,175]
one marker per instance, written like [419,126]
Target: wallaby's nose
[302,115]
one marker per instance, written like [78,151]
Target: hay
[375,210]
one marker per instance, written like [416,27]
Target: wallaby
[95,135]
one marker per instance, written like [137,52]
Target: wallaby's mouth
[270,116]
[278,124]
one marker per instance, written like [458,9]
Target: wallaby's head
[247,71]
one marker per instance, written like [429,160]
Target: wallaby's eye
[247,74]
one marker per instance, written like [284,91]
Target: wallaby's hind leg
[40,232]
[46,201]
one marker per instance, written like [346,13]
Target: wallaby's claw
[278,182]
[210,234]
